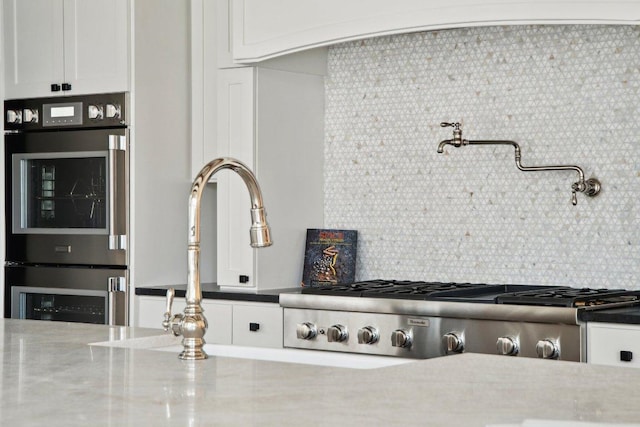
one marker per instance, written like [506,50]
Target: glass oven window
[57,193]
[61,305]
[65,308]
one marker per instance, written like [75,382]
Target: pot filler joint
[590,187]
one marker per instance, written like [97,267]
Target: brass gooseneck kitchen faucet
[590,187]
[192,325]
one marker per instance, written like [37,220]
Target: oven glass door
[64,305]
[60,193]
[67,197]
[69,294]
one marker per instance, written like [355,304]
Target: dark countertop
[630,315]
[212,291]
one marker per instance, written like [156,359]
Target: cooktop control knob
[30,115]
[547,349]
[508,346]
[95,112]
[306,331]
[337,333]
[368,335]
[14,116]
[401,338]
[453,342]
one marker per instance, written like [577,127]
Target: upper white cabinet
[271,118]
[65,47]
[266,28]
[272,121]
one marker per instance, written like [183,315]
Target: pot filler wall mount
[590,187]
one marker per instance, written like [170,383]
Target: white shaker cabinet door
[65,47]
[33,46]
[96,46]
[235,138]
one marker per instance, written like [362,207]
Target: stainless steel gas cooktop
[417,319]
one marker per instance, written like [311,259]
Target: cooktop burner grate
[541,295]
[392,289]
[569,297]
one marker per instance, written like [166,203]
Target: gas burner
[419,290]
[560,296]
[569,297]
[392,289]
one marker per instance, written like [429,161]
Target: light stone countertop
[51,376]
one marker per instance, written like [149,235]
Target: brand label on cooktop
[419,322]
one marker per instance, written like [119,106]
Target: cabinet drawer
[150,310]
[613,344]
[258,325]
[219,317]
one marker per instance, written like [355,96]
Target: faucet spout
[457,140]
[193,325]
[443,143]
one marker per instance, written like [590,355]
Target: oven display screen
[62,114]
[68,111]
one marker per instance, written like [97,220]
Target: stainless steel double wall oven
[66,199]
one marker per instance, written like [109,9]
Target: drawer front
[219,318]
[613,345]
[258,325]
[150,310]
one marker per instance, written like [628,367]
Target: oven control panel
[423,337]
[82,111]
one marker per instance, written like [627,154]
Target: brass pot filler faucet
[590,187]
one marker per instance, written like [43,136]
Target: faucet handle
[455,125]
[166,323]
[591,187]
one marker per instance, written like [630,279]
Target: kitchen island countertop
[51,376]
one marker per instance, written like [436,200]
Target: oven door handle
[117,301]
[117,192]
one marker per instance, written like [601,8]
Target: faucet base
[193,349]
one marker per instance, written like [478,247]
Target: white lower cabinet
[257,325]
[613,344]
[254,324]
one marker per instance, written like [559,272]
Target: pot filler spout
[192,325]
[590,187]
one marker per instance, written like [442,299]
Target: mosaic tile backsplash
[567,94]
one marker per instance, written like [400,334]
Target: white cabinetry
[253,324]
[266,28]
[272,121]
[271,118]
[65,47]
[613,344]
[257,324]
